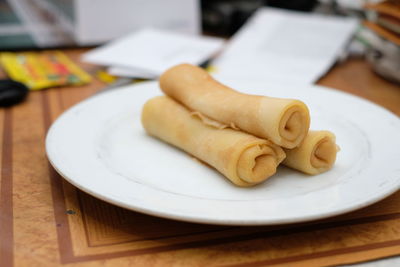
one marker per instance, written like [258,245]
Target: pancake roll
[284,122]
[316,154]
[244,159]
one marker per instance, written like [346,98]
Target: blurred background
[30,24]
[49,23]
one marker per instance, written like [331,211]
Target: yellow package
[40,70]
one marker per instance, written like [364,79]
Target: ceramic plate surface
[100,147]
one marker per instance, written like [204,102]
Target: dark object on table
[12,92]
[225,17]
[300,5]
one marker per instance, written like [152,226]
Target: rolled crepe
[243,158]
[316,154]
[285,122]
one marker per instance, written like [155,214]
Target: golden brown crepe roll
[282,121]
[243,158]
[316,154]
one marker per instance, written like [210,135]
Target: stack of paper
[149,52]
[275,45]
[285,46]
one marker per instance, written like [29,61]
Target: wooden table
[45,221]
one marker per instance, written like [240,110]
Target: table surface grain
[45,221]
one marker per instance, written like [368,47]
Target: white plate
[100,147]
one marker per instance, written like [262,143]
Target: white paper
[130,72]
[278,45]
[153,51]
